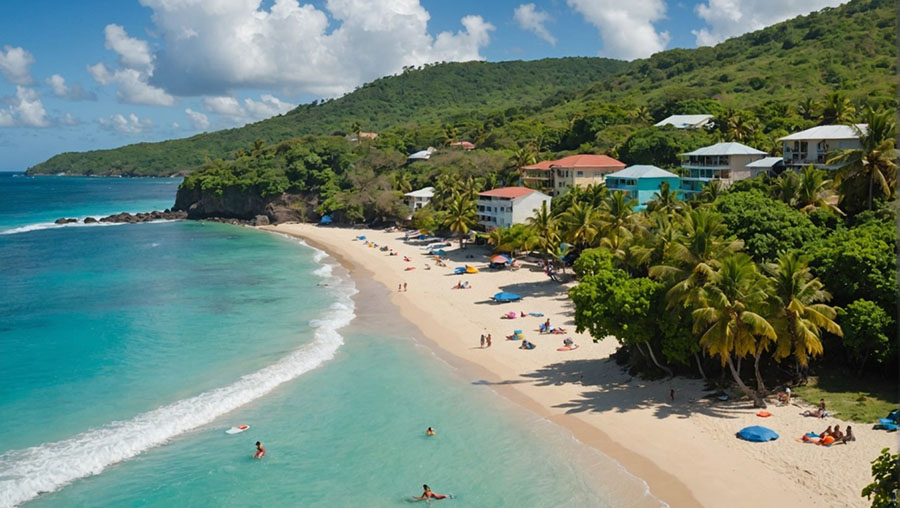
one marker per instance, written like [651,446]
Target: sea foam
[27,473]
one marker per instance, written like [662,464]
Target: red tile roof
[543,166]
[507,192]
[588,161]
[465,145]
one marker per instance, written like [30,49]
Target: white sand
[686,450]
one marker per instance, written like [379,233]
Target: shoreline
[684,450]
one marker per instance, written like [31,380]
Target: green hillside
[585,104]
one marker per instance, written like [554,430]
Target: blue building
[641,182]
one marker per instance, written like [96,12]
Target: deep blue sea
[126,351]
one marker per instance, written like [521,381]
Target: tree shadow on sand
[607,387]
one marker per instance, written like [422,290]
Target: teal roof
[642,171]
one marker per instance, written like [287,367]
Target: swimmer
[429,431]
[428,494]
[260,451]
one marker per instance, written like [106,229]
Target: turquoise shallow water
[129,350]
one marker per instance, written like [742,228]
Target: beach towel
[573,347]
[536,314]
[763,414]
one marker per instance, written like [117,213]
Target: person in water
[428,494]
[260,451]
[429,431]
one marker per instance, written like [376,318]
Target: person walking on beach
[404,287]
[399,287]
[482,340]
[488,340]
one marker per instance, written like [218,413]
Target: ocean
[129,350]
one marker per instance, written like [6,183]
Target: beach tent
[757,434]
[459,270]
[503,297]
[471,269]
[326,219]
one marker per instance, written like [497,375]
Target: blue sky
[98,74]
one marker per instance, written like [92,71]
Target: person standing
[404,287]
[483,338]
[488,340]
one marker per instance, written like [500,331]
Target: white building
[772,166]
[686,121]
[421,155]
[419,198]
[508,205]
[818,144]
[726,162]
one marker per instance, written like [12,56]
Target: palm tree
[445,186]
[642,115]
[450,133]
[545,227]
[401,182]
[800,314]
[655,240]
[460,216]
[837,109]
[808,108]
[665,199]
[580,224]
[617,215]
[356,128]
[740,127]
[695,255]
[711,191]
[815,192]
[728,320]
[526,155]
[785,188]
[876,158]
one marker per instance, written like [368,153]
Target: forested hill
[418,96]
[850,49]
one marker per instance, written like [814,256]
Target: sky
[95,74]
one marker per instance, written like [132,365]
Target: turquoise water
[128,351]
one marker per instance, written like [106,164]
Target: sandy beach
[685,449]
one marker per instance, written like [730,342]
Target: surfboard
[237,430]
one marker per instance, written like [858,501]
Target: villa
[686,121]
[819,144]
[641,182]
[506,206]
[421,155]
[582,170]
[465,145]
[419,198]
[538,176]
[725,162]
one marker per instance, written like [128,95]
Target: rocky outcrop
[65,220]
[245,206]
[89,220]
[145,216]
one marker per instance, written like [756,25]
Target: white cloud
[72,92]
[133,75]
[68,119]
[626,27]
[250,111]
[200,121]
[6,118]
[15,65]
[729,18]
[531,19]
[215,47]
[25,110]
[130,124]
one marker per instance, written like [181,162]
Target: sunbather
[819,412]
[848,437]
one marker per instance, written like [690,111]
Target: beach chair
[891,423]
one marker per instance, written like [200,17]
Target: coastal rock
[144,217]
[244,205]
[65,220]
[261,220]
[89,220]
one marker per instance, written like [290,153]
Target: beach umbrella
[504,297]
[326,219]
[500,259]
[757,434]
[471,269]
[360,237]
[439,252]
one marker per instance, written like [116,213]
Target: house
[419,198]
[465,145]
[686,121]
[772,166]
[363,135]
[506,206]
[641,182]
[818,144]
[538,176]
[581,170]
[725,162]
[421,155]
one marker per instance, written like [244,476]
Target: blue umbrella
[503,297]
[757,434]
[326,219]
[360,237]
[439,252]
[459,270]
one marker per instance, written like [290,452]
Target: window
[579,174]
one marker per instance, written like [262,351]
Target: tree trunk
[863,364]
[760,386]
[871,182]
[757,401]
[700,366]
[655,362]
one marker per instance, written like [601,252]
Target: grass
[851,398]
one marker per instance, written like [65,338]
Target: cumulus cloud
[69,119]
[198,119]
[15,65]
[211,48]
[729,18]
[533,20]
[136,67]
[72,92]
[250,111]
[130,124]
[24,109]
[626,27]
